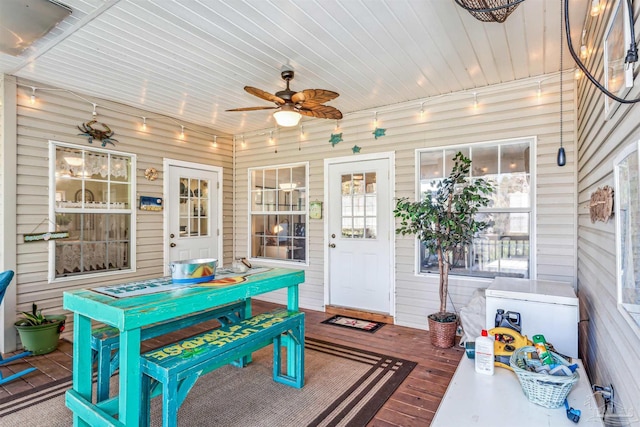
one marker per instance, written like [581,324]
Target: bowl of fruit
[193,270]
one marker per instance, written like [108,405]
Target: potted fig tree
[445,221]
[39,333]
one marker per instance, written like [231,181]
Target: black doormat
[354,323]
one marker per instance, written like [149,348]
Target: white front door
[360,235]
[193,212]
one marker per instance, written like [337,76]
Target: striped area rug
[342,385]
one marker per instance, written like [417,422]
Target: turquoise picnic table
[128,308]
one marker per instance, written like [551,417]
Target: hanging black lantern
[562,157]
[489,10]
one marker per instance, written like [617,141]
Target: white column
[8,161]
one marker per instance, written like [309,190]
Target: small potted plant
[39,333]
[445,221]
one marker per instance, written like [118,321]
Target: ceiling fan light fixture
[74,160]
[287,116]
[288,186]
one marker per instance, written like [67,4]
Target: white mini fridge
[546,307]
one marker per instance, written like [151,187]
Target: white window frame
[532,141]
[624,308]
[304,212]
[52,213]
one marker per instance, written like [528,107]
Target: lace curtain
[72,163]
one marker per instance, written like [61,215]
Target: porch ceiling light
[287,116]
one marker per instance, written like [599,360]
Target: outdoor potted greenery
[39,333]
[445,221]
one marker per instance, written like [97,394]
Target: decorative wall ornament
[335,138]
[150,203]
[101,135]
[378,132]
[356,149]
[151,174]
[601,205]
[48,235]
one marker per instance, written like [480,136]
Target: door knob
[172,245]
[172,235]
[332,245]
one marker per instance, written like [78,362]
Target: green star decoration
[335,138]
[355,149]
[378,132]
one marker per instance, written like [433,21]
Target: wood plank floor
[413,404]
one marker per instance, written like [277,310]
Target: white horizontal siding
[610,349]
[505,112]
[55,116]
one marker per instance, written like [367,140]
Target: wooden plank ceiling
[190,59]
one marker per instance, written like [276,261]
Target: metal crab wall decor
[101,135]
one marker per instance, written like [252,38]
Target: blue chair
[5,280]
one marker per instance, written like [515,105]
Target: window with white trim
[278,214]
[627,217]
[503,249]
[93,200]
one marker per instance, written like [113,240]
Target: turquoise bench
[105,341]
[174,369]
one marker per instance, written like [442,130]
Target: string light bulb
[422,109]
[583,52]
[244,144]
[33,96]
[475,100]
[181,131]
[337,128]
[539,92]
[144,123]
[301,131]
[595,8]
[215,141]
[94,114]
[577,74]
[270,137]
[375,119]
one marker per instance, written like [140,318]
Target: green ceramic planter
[42,339]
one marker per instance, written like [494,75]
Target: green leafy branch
[34,318]
[446,218]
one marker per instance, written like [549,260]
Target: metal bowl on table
[193,270]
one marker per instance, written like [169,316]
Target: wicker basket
[542,389]
[442,334]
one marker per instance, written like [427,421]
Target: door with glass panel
[360,235]
[193,213]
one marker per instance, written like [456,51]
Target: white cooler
[545,307]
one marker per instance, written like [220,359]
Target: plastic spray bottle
[485,354]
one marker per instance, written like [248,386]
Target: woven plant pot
[442,334]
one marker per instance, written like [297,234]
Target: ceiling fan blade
[321,112]
[253,108]
[313,96]
[264,95]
